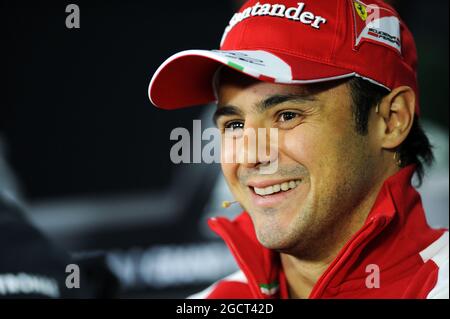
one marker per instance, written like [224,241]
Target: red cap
[296,42]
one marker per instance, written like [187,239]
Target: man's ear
[397,114]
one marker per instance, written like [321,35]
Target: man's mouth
[269,194]
[276,188]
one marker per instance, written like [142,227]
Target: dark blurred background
[85,153]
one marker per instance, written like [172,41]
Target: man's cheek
[301,148]
[230,173]
[230,150]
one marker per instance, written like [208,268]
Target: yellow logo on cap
[361,10]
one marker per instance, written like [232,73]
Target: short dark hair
[415,149]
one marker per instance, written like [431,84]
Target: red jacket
[411,257]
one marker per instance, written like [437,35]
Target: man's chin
[278,229]
[273,238]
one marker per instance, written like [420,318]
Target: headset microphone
[226,204]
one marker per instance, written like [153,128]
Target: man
[338,218]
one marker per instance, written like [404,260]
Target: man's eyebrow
[264,105]
[276,99]
[223,110]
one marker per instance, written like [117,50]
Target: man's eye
[287,116]
[234,125]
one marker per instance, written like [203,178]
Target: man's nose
[260,146]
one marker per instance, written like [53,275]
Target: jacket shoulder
[234,286]
[437,254]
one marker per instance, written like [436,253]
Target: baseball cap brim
[186,78]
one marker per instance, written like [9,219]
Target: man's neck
[301,275]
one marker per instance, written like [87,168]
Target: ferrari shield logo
[361,10]
[375,24]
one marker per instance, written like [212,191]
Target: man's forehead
[240,94]
[228,82]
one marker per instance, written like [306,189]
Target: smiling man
[338,218]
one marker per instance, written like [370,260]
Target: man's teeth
[277,188]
